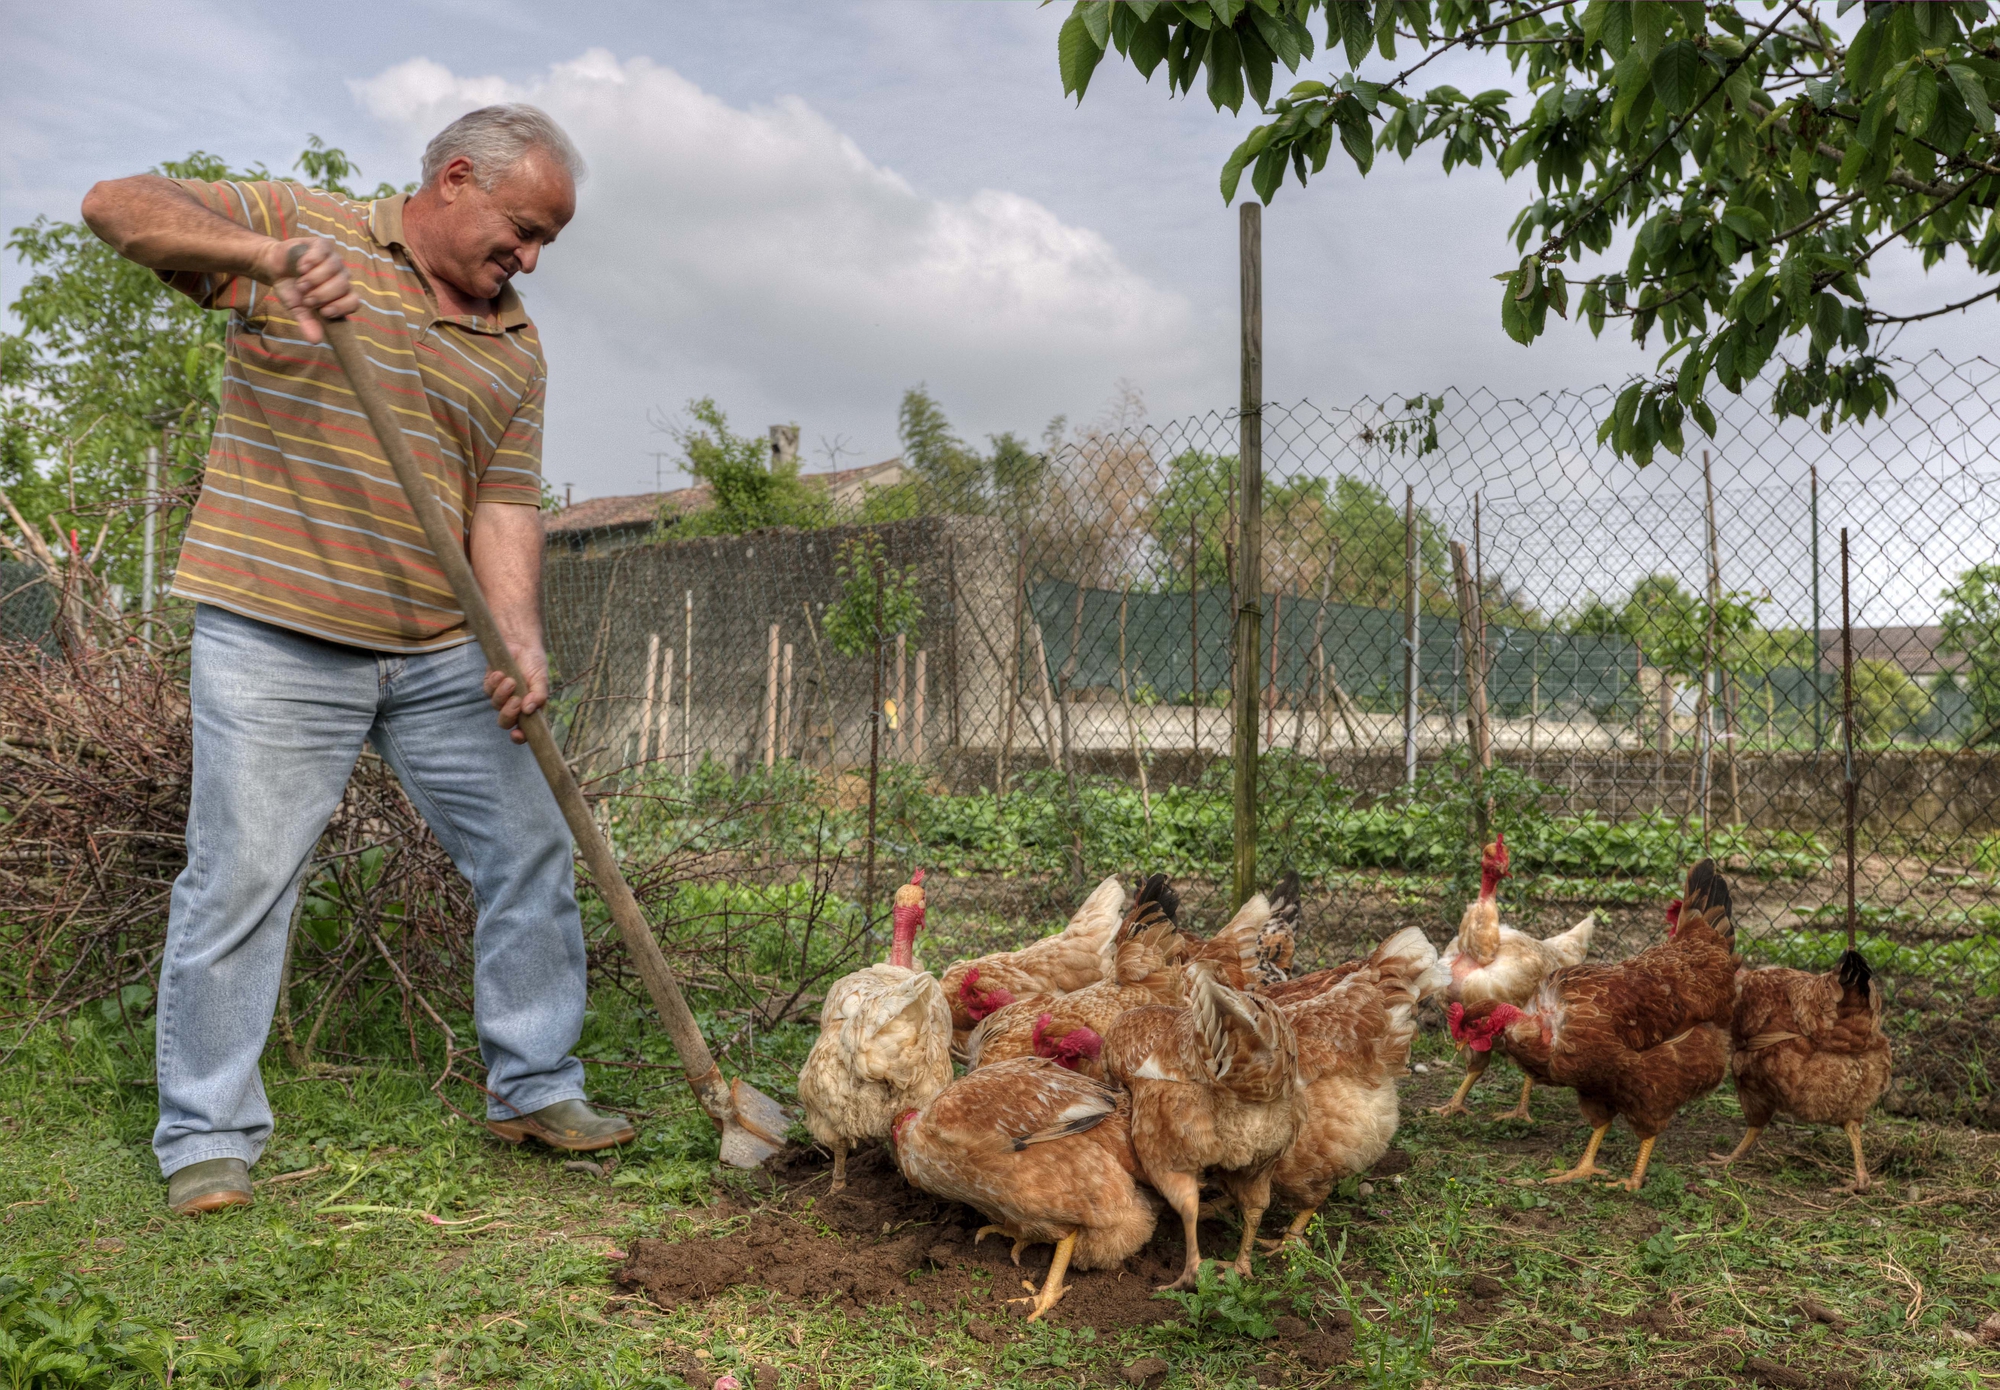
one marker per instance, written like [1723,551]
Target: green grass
[341,1278]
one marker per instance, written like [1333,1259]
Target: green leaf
[1649,28]
[1615,30]
[1269,172]
[1348,24]
[1096,15]
[1148,45]
[1225,70]
[1678,75]
[1867,55]
[1232,168]
[1974,91]
[1277,36]
[1257,61]
[1077,53]
[1703,416]
[1916,98]
[1746,222]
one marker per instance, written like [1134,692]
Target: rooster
[1255,948]
[1041,1152]
[1643,1037]
[1811,1046]
[1354,1041]
[1069,960]
[1142,973]
[1487,961]
[884,1042]
[1214,1089]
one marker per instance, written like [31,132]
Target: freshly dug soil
[894,1246]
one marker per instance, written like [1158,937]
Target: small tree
[749,489]
[1886,700]
[877,600]
[1971,625]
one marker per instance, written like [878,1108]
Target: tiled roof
[643,508]
[1915,649]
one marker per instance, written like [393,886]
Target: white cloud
[758,254]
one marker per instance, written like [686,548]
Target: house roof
[1915,649]
[641,509]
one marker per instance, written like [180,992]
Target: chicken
[1354,1041]
[884,1043]
[1042,1153]
[1142,973]
[1069,960]
[1255,948]
[1214,1089]
[1489,962]
[1488,1027]
[1645,1036]
[1811,1046]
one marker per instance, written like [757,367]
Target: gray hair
[496,138]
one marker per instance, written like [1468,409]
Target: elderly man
[323,619]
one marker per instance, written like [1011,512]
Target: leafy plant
[1228,1303]
[749,489]
[1757,165]
[877,600]
[1971,629]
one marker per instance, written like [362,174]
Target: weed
[1226,1302]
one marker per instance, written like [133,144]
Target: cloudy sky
[803,209]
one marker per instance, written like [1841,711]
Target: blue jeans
[279,720]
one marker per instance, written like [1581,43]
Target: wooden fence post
[917,708]
[646,707]
[771,701]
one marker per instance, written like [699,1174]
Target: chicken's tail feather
[1707,893]
[1159,889]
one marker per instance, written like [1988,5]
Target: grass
[416,1250]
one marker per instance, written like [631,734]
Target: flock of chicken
[1115,1067]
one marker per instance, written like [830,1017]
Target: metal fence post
[1250,585]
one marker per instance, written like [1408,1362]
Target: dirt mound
[882,1242]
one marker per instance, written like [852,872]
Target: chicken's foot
[1638,1178]
[1521,1111]
[1052,1287]
[1586,1167]
[1861,1182]
[839,1165]
[1742,1148]
[1021,1242]
[1183,1194]
[1456,1105]
[1294,1233]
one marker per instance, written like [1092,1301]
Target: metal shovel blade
[756,1127]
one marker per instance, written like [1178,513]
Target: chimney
[784,444]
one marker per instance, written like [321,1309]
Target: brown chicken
[1042,1153]
[1811,1046]
[1214,1090]
[1489,962]
[1354,1042]
[1255,949]
[1071,959]
[1643,1037]
[1143,972]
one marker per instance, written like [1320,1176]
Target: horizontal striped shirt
[301,522]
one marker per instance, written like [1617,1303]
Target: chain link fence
[1471,612]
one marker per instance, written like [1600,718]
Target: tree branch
[1875,317]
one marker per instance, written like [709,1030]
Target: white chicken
[1489,962]
[884,1043]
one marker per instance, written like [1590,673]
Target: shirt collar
[385,225]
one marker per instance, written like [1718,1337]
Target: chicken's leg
[1586,1167]
[839,1164]
[1183,1194]
[1743,1147]
[1638,1178]
[1021,1242]
[1475,1067]
[1252,1196]
[1861,1182]
[1521,1111]
[1052,1287]
[1294,1232]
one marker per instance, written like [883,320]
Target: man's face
[484,238]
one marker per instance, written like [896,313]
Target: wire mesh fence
[1632,665]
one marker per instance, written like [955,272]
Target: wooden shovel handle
[702,1072]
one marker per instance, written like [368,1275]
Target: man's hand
[506,696]
[311,280]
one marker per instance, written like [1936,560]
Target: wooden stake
[771,701]
[1411,658]
[916,715]
[666,699]
[784,703]
[1194,627]
[687,694]
[1271,686]
[1250,537]
[646,706]
[1131,723]
[902,725]
[1850,791]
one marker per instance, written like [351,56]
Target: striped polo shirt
[301,522]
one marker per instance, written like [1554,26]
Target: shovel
[753,1125]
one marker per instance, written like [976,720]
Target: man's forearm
[160,225]
[506,554]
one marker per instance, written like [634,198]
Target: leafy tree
[1971,624]
[1672,626]
[748,488]
[108,363]
[1759,163]
[953,476]
[877,599]
[1887,700]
